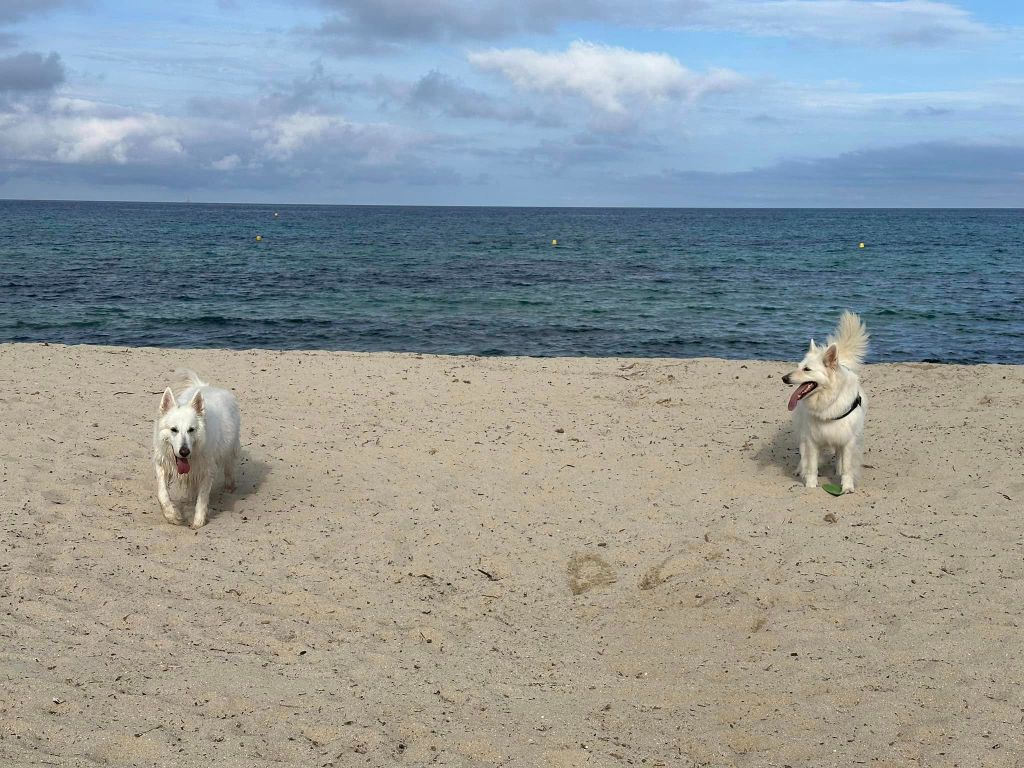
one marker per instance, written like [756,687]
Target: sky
[748,103]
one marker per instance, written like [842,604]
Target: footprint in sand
[674,566]
[587,572]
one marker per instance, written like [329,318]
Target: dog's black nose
[184,452]
[785,379]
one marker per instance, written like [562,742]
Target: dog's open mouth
[798,394]
[184,466]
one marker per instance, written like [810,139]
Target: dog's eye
[807,369]
[174,430]
[191,429]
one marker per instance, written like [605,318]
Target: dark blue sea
[940,285]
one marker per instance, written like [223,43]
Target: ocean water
[940,285]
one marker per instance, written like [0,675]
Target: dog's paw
[195,525]
[172,516]
[230,487]
[810,482]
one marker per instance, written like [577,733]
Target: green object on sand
[833,488]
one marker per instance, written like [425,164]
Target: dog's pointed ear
[167,401]
[832,356]
[197,403]
[811,348]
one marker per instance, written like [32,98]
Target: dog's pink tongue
[799,392]
[183,465]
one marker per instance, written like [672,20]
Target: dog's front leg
[809,463]
[847,461]
[229,475]
[202,502]
[166,505]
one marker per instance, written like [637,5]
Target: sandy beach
[508,562]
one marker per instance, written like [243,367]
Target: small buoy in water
[861,245]
[258,238]
[276,214]
[554,242]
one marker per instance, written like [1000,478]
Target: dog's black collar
[852,408]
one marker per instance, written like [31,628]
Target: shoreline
[784,365]
[518,561]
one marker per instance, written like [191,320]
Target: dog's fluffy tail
[190,377]
[851,340]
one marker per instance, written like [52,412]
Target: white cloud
[614,80]
[313,136]
[79,132]
[226,163]
[286,135]
[69,132]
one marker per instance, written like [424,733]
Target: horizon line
[532,207]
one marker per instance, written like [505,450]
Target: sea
[932,285]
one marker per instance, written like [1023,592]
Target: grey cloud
[279,98]
[383,26]
[584,150]
[449,96]
[219,107]
[386,26]
[932,174]
[279,178]
[302,92]
[763,118]
[31,72]
[16,10]
[929,112]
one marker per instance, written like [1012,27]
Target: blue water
[943,285]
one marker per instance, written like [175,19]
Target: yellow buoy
[554,242]
[258,238]
[861,245]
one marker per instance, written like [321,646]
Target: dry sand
[508,562]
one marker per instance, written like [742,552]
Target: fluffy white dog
[829,402]
[195,439]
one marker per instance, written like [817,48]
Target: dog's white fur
[199,430]
[833,371]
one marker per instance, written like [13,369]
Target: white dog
[195,438]
[830,405]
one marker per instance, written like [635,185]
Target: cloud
[380,26]
[80,141]
[16,10]
[613,80]
[386,26]
[986,105]
[926,174]
[438,92]
[309,93]
[31,72]
[284,137]
[585,151]
[861,22]
[76,132]
[227,163]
